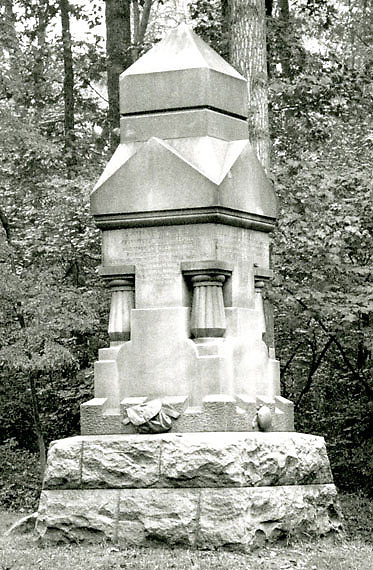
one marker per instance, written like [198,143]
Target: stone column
[208,314]
[261,277]
[121,281]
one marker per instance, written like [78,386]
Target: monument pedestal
[201,490]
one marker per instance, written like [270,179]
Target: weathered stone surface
[158,515]
[239,518]
[66,515]
[116,462]
[64,463]
[244,459]
[224,459]
[251,517]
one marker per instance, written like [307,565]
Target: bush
[20,482]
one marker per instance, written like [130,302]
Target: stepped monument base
[198,490]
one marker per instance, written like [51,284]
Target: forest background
[58,127]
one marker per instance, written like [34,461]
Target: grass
[353,552]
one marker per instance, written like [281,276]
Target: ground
[352,552]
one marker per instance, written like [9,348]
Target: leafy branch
[333,339]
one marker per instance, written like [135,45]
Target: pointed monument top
[181,49]
[182,72]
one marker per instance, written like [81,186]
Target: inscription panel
[157,253]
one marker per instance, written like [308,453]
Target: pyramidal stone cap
[182,72]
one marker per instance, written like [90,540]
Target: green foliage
[209,23]
[337,409]
[358,513]
[20,480]
[59,396]
[323,294]
[51,311]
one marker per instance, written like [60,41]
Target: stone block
[219,413]
[158,516]
[106,380]
[180,72]
[265,401]
[247,403]
[225,459]
[221,409]
[210,173]
[284,416]
[182,124]
[80,515]
[233,518]
[253,517]
[97,419]
[91,414]
[64,466]
[120,462]
[242,459]
[178,403]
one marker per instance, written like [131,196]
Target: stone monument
[187,439]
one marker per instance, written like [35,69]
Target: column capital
[110,272]
[261,276]
[191,269]
[208,279]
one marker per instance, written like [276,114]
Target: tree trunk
[139,25]
[10,41]
[269,8]
[118,58]
[68,84]
[41,16]
[33,376]
[247,50]
[37,424]
[285,53]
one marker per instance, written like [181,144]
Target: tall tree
[123,47]
[140,24]
[247,53]
[68,84]
[118,54]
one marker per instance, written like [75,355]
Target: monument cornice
[207,215]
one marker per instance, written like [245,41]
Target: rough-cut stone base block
[256,516]
[238,518]
[89,515]
[223,459]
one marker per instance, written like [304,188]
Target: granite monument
[187,439]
